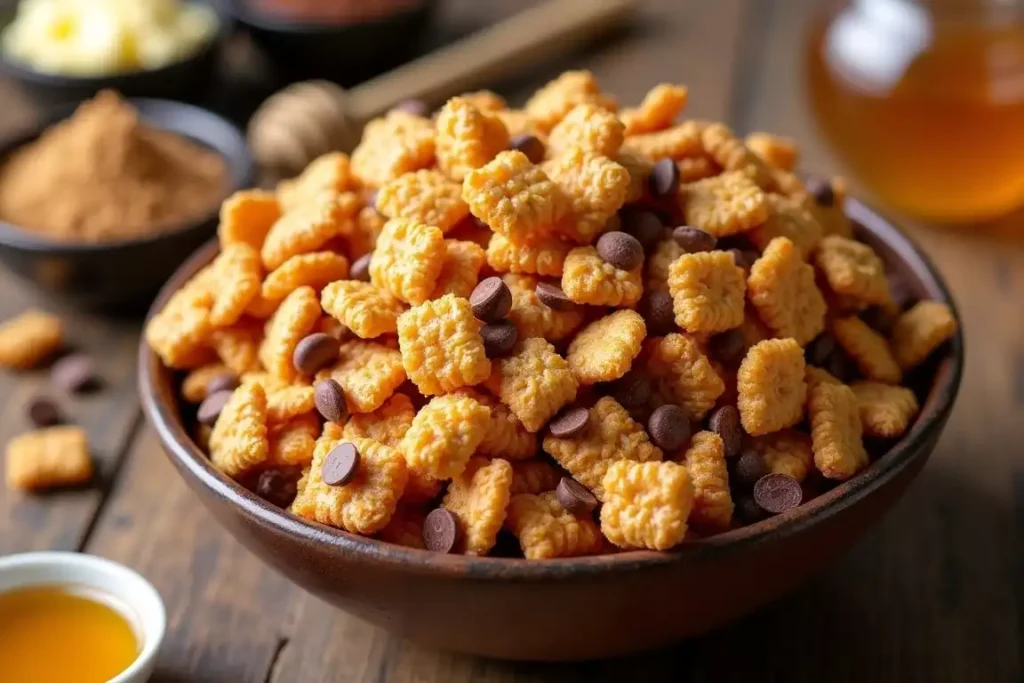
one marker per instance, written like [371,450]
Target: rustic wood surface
[935,593]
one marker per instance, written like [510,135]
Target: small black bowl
[124,275]
[344,53]
[187,80]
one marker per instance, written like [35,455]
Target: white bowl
[146,609]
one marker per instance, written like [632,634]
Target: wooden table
[933,594]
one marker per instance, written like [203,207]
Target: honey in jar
[924,101]
[63,634]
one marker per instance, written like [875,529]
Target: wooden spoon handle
[515,43]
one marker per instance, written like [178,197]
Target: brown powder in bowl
[103,175]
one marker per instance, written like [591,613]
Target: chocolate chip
[529,145]
[669,427]
[620,249]
[725,422]
[664,179]
[569,422]
[820,349]
[748,511]
[879,318]
[440,531]
[744,258]
[749,468]
[728,346]
[277,487]
[340,465]
[209,410]
[633,390]
[575,497]
[821,190]
[414,107]
[553,297]
[777,493]
[74,373]
[43,412]
[499,338]
[315,352]
[330,400]
[645,226]
[656,309]
[693,240]
[360,268]
[225,381]
[491,300]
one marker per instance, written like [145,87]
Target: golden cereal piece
[246,217]
[725,204]
[604,349]
[295,318]
[366,503]
[291,443]
[554,101]
[515,198]
[238,346]
[304,270]
[534,382]
[239,438]
[48,458]
[393,145]
[405,527]
[692,169]
[677,142]
[467,138]
[731,154]
[309,226]
[781,287]
[331,172]
[815,376]
[590,128]
[788,218]
[441,346]
[367,310]
[408,259]
[367,228]
[705,463]
[534,476]
[388,424]
[684,375]
[921,330]
[596,187]
[178,333]
[646,504]
[478,498]
[707,291]
[485,100]
[660,107]
[787,452]
[33,336]
[836,431]
[260,308]
[610,435]
[588,279]
[774,150]
[885,411]
[544,257]
[868,349]
[852,269]
[545,529]
[238,273]
[461,270]
[506,437]
[534,318]
[425,196]
[517,122]
[288,402]
[665,254]
[444,434]
[771,386]
[193,387]
[369,373]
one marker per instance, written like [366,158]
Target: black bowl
[343,53]
[188,80]
[122,275]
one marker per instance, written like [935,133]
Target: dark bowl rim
[935,410]
[267,22]
[26,72]
[242,174]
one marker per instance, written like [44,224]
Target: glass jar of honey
[924,101]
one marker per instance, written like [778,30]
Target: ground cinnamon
[104,175]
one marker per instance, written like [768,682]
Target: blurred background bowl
[125,274]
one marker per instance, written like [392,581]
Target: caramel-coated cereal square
[393,145]
[659,109]
[729,152]
[852,269]
[239,442]
[545,529]
[331,172]
[178,333]
[33,336]
[425,196]
[596,187]
[478,497]
[441,346]
[408,260]
[533,318]
[193,387]
[444,434]
[885,411]
[294,319]
[774,150]
[646,504]
[534,476]
[787,452]
[544,257]
[678,142]
[506,437]
[554,101]
[367,310]
[534,382]
[246,217]
[712,502]
[684,375]
[725,204]
[867,348]
[314,270]
[292,442]
[369,373]
[604,350]
[388,424]
[771,386]
[590,128]
[588,279]
[707,291]
[467,138]
[658,264]
[921,330]
[781,287]
[309,226]
[461,270]
[238,346]
[788,218]
[836,431]
[406,526]
[48,458]
[238,273]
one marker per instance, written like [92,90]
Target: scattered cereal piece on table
[29,338]
[920,331]
[48,458]
[772,391]
[478,497]
[646,504]
[545,529]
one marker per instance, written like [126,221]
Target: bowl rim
[241,173]
[179,447]
[268,22]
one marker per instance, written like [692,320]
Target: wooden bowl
[578,608]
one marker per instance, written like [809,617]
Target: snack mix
[584,329]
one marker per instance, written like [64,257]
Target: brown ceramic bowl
[577,608]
